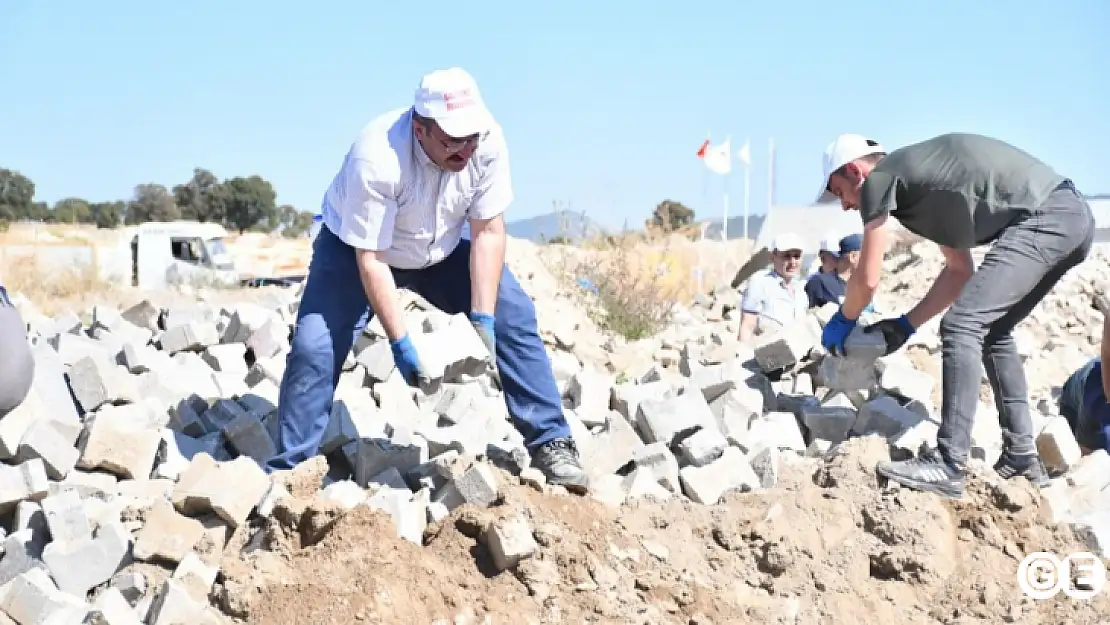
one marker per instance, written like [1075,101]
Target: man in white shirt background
[776,298]
[393,217]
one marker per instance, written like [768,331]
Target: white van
[181,252]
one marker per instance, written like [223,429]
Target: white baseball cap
[787,241]
[830,243]
[451,97]
[843,150]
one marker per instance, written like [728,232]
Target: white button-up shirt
[777,305]
[389,196]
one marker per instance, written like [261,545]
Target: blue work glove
[408,362]
[836,330]
[896,331]
[483,325]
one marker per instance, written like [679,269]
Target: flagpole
[724,223]
[725,181]
[771,175]
[747,190]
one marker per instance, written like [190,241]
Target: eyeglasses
[453,145]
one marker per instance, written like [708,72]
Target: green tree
[17,195]
[300,224]
[245,202]
[284,217]
[108,214]
[193,197]
[670,215]
[72,211]
[152,202]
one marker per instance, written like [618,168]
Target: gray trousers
[1023,265]
[17,367]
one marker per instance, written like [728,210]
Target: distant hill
[561,223]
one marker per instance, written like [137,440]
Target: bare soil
[829,545]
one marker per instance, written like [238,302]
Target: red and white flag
[717,158]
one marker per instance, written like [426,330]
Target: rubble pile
[133,489]
[1063,330]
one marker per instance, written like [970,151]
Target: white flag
[717,158]
[745,154]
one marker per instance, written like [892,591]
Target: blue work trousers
[334,311]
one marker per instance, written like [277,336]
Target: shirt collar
[418,150]
[780,278]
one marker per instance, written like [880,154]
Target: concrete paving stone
[230,357]
[80,564]
[730,472]
[702,447]
[788,346]
[112,446]
[670,420]
[248,436]
[111,608]
[269,340]
[66,516]
[510,541]
[97,381]
[22,482]
[658,459]
[1057,446]
[231,489]
[32,597]
[477,486]
[886,417]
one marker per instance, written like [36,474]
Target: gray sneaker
[558,461]
[1029,467]
[928,472]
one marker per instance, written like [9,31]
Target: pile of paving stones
[144,432]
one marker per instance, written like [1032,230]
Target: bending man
[17,366]
[393,217]
[1083,399]
[961,191]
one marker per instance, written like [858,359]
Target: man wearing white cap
[393,217]
[828,258]
[962,191]
[776,298]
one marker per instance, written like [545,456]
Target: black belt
[4,299]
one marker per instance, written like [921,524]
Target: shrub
[623,289]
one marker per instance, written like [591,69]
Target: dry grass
[52,289]
[628,289]
[631,282]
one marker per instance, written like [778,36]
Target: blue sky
[604,104]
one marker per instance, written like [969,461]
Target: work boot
[928,472]
[1028,466]
[558,461]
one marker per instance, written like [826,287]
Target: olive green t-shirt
[957,190]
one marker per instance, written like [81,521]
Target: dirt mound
[829,545]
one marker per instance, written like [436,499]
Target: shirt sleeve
[813,290]
[368,207]
[495,185]
[753,298]
[877,196]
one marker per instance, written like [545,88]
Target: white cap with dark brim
[787,241]
[451,97]
[843,150]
